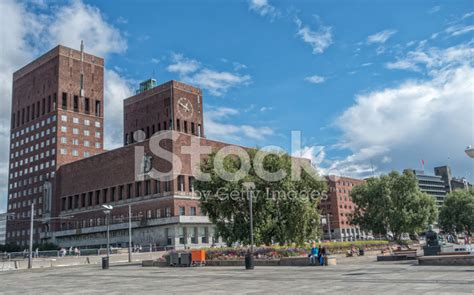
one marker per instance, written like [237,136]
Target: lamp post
[30,256]
[129,233]
[108,209]
[249,259]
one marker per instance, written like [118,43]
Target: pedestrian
[313,255]
[37,253]
[322,252]
[76,251]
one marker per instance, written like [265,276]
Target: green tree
[392,203]
[457,213]
[284,211]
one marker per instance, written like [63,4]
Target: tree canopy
[457,213]
[284,211]
[393,203]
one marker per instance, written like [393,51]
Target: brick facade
[57,106]
[339,207]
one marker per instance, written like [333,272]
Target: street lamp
[470,151]
[108,209]
[249,263]
[129,233]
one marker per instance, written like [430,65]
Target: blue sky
[372,85]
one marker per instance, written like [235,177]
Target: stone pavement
[360,275]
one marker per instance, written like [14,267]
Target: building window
[180,183]
[64,101]
[192,211]
[76,103]
[86,143]
[192,128]
[147,187]
[182,210]
[191,183]
[64,118]
[87,107]
[167,211]
[97,145]
[63,151]
[158,213]
[97,108]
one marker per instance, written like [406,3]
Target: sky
[372,86]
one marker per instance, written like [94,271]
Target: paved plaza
[351,276]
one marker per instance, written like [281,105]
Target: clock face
[185,108]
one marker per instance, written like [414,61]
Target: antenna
[81,92]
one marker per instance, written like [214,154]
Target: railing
[82,252]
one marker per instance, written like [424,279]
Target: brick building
[338,207]
[56,118]
[58,162]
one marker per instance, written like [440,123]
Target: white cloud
[319,40]
[265,109]
[316,154]
[315,79]
[217,128]
[216,82]
[263,8]
[72,23]
[117,89]
[434,59]
[434,9]
[380,37]
[394,128]
[27,32]
[182,65]
[457,30]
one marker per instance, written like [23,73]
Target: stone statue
[432,243]
[432,239]
[146,164]
[47,196]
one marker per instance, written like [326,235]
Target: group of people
[317,255]
[72,251]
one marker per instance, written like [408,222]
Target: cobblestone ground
[350,276]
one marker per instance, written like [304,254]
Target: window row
[86,105]
[33,127]
[32,169]
[75,131]
[17,184]
[32,159]
[34,111]
[123,192]
[75,120]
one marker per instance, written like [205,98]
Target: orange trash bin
[198,255]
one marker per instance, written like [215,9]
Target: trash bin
[174,258]
[105,262]
[249,263]
[361,252]
[185,259]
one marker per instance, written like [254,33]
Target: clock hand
[184,106]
